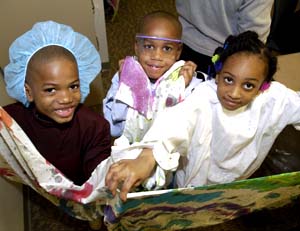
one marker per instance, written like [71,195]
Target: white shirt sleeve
[115,111]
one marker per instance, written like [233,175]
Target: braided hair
[246,42]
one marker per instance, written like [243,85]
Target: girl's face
[54,88]
[157,56]
[240,79]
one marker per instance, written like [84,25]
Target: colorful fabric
[172,209]
[181,209]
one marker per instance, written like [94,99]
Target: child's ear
[217,78]
[28,92]
[136,47]
[179,50]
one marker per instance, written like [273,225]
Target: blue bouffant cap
[45,34]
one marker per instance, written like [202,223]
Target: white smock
[206,144]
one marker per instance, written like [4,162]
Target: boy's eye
[49,90]
[167,48]
[148,46]
[248,86]
[74,86]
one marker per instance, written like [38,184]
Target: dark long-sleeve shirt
[75,148]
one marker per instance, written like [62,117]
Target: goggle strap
[158,38]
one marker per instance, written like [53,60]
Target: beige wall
[17,17]
[288,70]
[11,210]
[4,99]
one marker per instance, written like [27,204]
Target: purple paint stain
[109,215]
[171,101]
[136,79]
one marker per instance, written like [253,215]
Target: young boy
[50,69]
[151,81]
[223,131]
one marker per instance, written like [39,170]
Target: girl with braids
[224,130]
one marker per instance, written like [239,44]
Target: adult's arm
[255,15]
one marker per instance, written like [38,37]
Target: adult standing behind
[206,24]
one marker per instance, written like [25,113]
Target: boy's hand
[121,62]
[127,174]
[188,70]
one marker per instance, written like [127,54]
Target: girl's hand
[127,174]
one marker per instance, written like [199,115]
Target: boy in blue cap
[50,69]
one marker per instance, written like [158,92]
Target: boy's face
[240,79]
[54,88]
[157,55]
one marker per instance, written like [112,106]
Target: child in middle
[151,81]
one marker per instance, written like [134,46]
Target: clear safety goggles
[151,45]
